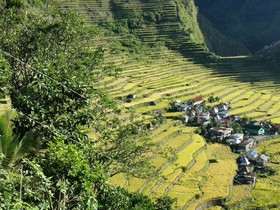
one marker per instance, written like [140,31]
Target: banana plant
[12,147]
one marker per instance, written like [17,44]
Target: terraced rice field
[182,70]
[201,181]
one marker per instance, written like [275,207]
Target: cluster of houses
[197,113]
[217,125]
[247,164]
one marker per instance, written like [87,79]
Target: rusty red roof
[197,99]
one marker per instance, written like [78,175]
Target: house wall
[256,132]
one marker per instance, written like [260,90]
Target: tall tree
[58,88]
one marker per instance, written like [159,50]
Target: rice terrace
[214,113]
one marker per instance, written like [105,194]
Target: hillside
[158,55]
[270,55]
[254,23]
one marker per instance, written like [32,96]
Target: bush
[110,197]
[164,203]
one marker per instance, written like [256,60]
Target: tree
[126,149]
[164,203]
[58,89]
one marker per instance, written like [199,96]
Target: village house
[223,107]
[192,114]
[238,136]
[243,161]
[221,132]
[252,154]
[245,177]
[131,96]
[205,116]
[255,129]
[217,118]
[151,126]
[198,109]
[197,100]
[245,173]
[246,145]
[233,117]
[274,130]
[223,114]
[185,118]
[187,105]
[176,104]
[183,107]
[214,110]
[235,138]
[233,141]
[262,160]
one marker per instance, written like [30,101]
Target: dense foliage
[51,66]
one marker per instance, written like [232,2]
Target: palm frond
[11,146]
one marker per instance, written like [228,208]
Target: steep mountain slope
[219,43]
[253,22]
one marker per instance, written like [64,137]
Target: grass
[201,180]
[119,179]
[171,132]
[158,161]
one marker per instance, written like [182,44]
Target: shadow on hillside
[243,69]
